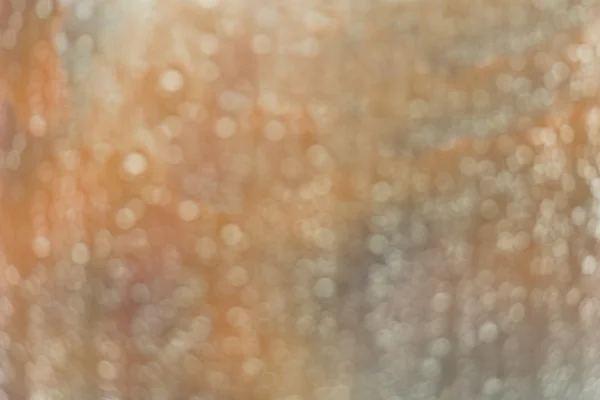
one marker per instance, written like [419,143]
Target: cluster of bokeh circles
[298,200]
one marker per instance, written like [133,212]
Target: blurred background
[298,200]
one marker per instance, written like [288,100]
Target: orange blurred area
[61,189]
[31,71]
